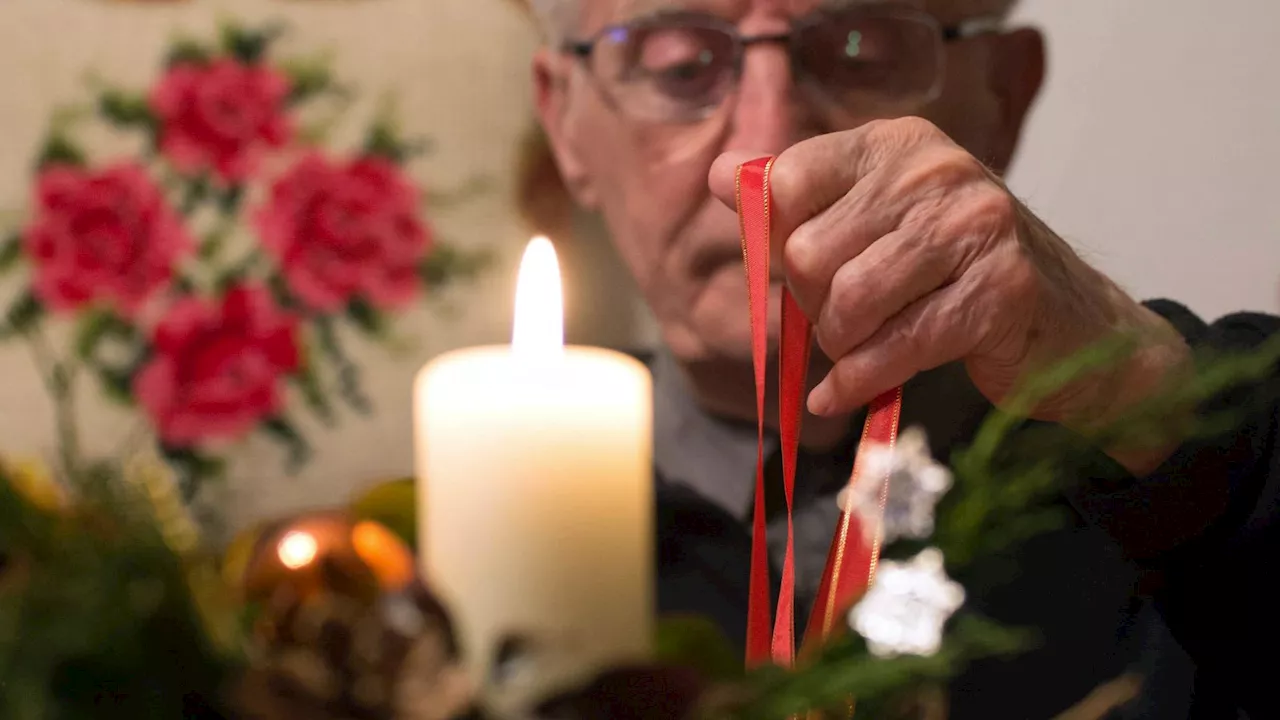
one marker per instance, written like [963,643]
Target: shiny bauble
[326,553]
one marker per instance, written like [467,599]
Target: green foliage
[97,598]
[845,670]
[696,643]
[1004,480]
[96,614]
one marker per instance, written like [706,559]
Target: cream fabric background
[459,68]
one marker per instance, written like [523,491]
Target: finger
[723,178]
[870,289]
[818,248]
[812,175]
[930,332]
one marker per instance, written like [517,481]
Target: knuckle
[987,215]
[839,326]
[904,129]
[955,167]
[830,336]
[802,258]
[786,174]
[1019,278]
[934,180]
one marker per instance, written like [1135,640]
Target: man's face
[648,176]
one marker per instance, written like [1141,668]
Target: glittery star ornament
[916,483]
[904,611]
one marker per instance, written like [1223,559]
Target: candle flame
[538,329]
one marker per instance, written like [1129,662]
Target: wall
[1155,149]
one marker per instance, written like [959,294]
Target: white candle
[534,466]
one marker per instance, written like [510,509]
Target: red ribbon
[851,562]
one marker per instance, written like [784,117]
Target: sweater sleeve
[1207,523]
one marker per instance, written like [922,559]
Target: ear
[551,86]
[1017,74]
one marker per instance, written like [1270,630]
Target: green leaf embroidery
[307,79]
[95,325]
[193,468]
[117,384]
[280,429]
[366,317]
[229,199]
[447,263]
[125,110]
[59,150]
[23,314]
[348,373]
[188,52]
[308,380]
[10,253]
[194,191]
[250,46]
[384,141]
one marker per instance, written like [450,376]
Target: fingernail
[820,399]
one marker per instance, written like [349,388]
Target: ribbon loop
[854,552]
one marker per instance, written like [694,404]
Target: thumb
[723,178]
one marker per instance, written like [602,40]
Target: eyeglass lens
[679,67]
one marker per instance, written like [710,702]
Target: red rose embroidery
[102,235]
[216,367]
[221,116]
[344,230]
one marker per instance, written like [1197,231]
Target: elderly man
[892,123]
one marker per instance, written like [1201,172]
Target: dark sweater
[1184,553]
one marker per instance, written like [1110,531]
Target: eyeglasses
[877,59]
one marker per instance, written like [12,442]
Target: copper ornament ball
[327,552]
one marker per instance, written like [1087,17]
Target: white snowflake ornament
[915,484]
[905,609]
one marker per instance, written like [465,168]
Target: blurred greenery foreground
[111,606]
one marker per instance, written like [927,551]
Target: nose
[769,115]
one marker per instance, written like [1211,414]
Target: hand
[907,253]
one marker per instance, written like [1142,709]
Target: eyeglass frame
[583,49]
